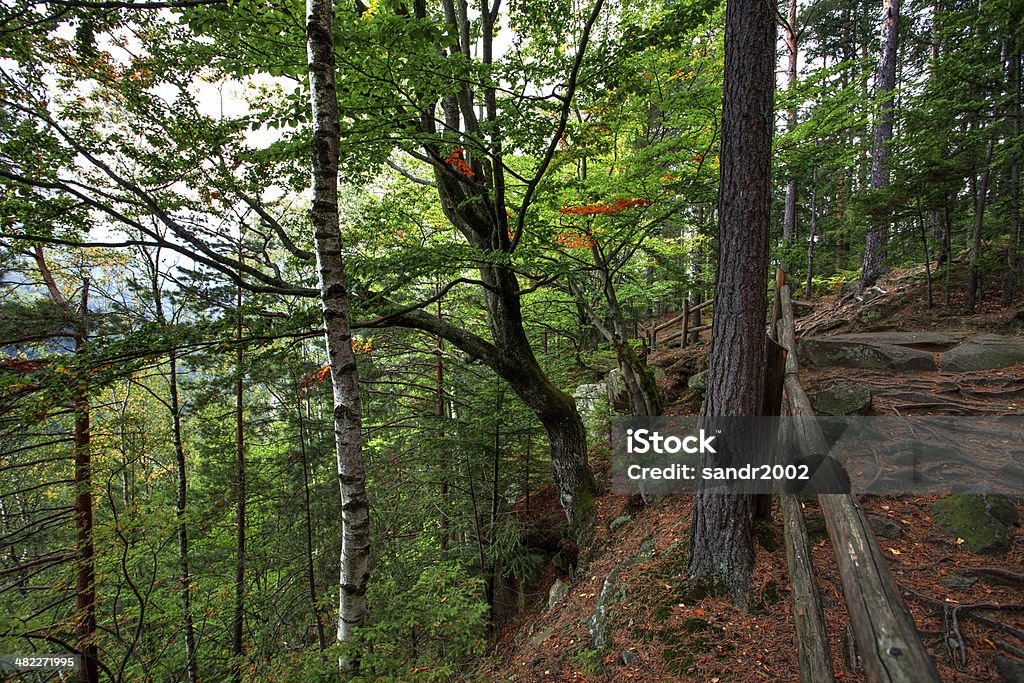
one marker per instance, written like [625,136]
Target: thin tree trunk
[181,500]
[721,548]
[813,235]
[979,222]
[873,265]
[1013,269]
[310,573]
[355,508]
[789,222]
[238,619]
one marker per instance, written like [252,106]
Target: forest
[315,319]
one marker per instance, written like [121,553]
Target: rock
[559,589]
[984,352]
[619,522]
[699,381]
[618,395]
[885,527]
[872,351]
[611,592]
[627,656]
[588,396]
[957,582]
[980,519]
[842,399]
[1011,670]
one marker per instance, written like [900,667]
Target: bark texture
[873,264]
[355,509]
[721,549]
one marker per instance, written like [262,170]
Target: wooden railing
[887,639]
[682,320]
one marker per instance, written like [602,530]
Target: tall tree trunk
[238,619]
[308,513]
[979,222]
[85,572]
[873,264]
[721,549]
[355,508]
[814,234]
[1013,269]
[180,506]
[789,222]
[85,584]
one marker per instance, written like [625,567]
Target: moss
[768,537]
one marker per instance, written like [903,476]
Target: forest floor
[657,632]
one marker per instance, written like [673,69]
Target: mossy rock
[981,520]
[698,381]
[843,399]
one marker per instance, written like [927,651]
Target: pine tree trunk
[721,548]
[355,509]
[873,265]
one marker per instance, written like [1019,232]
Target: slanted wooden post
[887,638]
[686,323]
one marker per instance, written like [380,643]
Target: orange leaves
[456,161]
[574,239]
[319,376]
[605,209]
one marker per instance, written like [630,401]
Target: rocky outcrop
[984,352]
[875,352]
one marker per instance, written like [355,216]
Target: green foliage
[426,629]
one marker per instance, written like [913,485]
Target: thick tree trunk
[873,264]
[721,548]
[355,509]
[181,501]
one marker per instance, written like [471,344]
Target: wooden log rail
[887,639]
[683,320]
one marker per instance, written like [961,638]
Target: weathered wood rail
[887,639]
[683,320]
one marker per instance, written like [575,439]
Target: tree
[355,506]
[721,548]
[873,264]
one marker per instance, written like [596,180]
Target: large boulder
[982,520]
[842,399]
[873,352]
[984,352]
